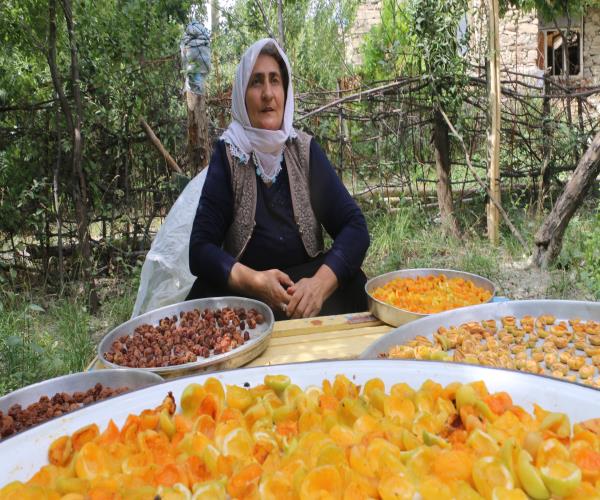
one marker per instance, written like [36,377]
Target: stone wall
[591,47]
[519,42]
[367,16]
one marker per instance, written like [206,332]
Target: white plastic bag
[166,277]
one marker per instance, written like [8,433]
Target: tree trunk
[80,185]
[548,239]
[198,143]
[441,143]
[544,182]
[57,208]
[280,23]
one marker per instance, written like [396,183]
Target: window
[554,55]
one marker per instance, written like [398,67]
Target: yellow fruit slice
[489,473]
[482,443]
[276,487]
[191,398]
[277,383]
[209,490]
[530,477]
[500,493]
[549,451]
[396,487]
[561,477]
[321,482]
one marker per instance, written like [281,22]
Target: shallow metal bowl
[259,336]
[78,382]
[562,310]
[28,451]
[396,316]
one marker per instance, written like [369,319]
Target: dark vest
[296,153]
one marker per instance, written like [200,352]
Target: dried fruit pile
[431,294]
[175,343]
[564,349]
[276,441]
[18,419]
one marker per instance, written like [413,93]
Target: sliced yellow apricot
[482,443]
[400,408]
[452,465]
[276,487]
[396,487]
[66,485]
[558,423]
[191,398]
[84,435]
[561,477]
[239,398]
[432,488]
[91,462]
[465,395]
[237,443]
[488,473]
[500,493]
[464,491]
[60,451]
[372,384]
[209,490]
[550,450]
[166,423]
[321,482]
[530,478]
[277,383]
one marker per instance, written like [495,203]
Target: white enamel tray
[22,455]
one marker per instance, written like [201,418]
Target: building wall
[591,47]
[518,39]
[367,16]
[519,42]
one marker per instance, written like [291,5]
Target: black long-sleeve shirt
[276,241]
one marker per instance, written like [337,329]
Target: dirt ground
[519,281]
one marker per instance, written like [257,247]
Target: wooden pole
[493,216]
[158,145]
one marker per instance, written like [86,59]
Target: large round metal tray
[78,382]
[259,336]
[28,450]
[426,327]
[395,316]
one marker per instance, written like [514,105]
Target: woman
[269,191]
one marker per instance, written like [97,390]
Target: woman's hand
[269,286]
[309,294]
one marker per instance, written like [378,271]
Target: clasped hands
[302,299]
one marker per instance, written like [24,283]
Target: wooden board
[342,336]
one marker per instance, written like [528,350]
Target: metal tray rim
[257,344]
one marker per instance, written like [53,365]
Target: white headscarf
[266,146]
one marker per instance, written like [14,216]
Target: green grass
[60,337]
[407,239]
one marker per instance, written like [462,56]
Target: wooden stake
[494,120]
[158,145]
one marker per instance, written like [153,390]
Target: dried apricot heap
[431,294]
[340,440]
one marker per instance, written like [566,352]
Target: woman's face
[265,99]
